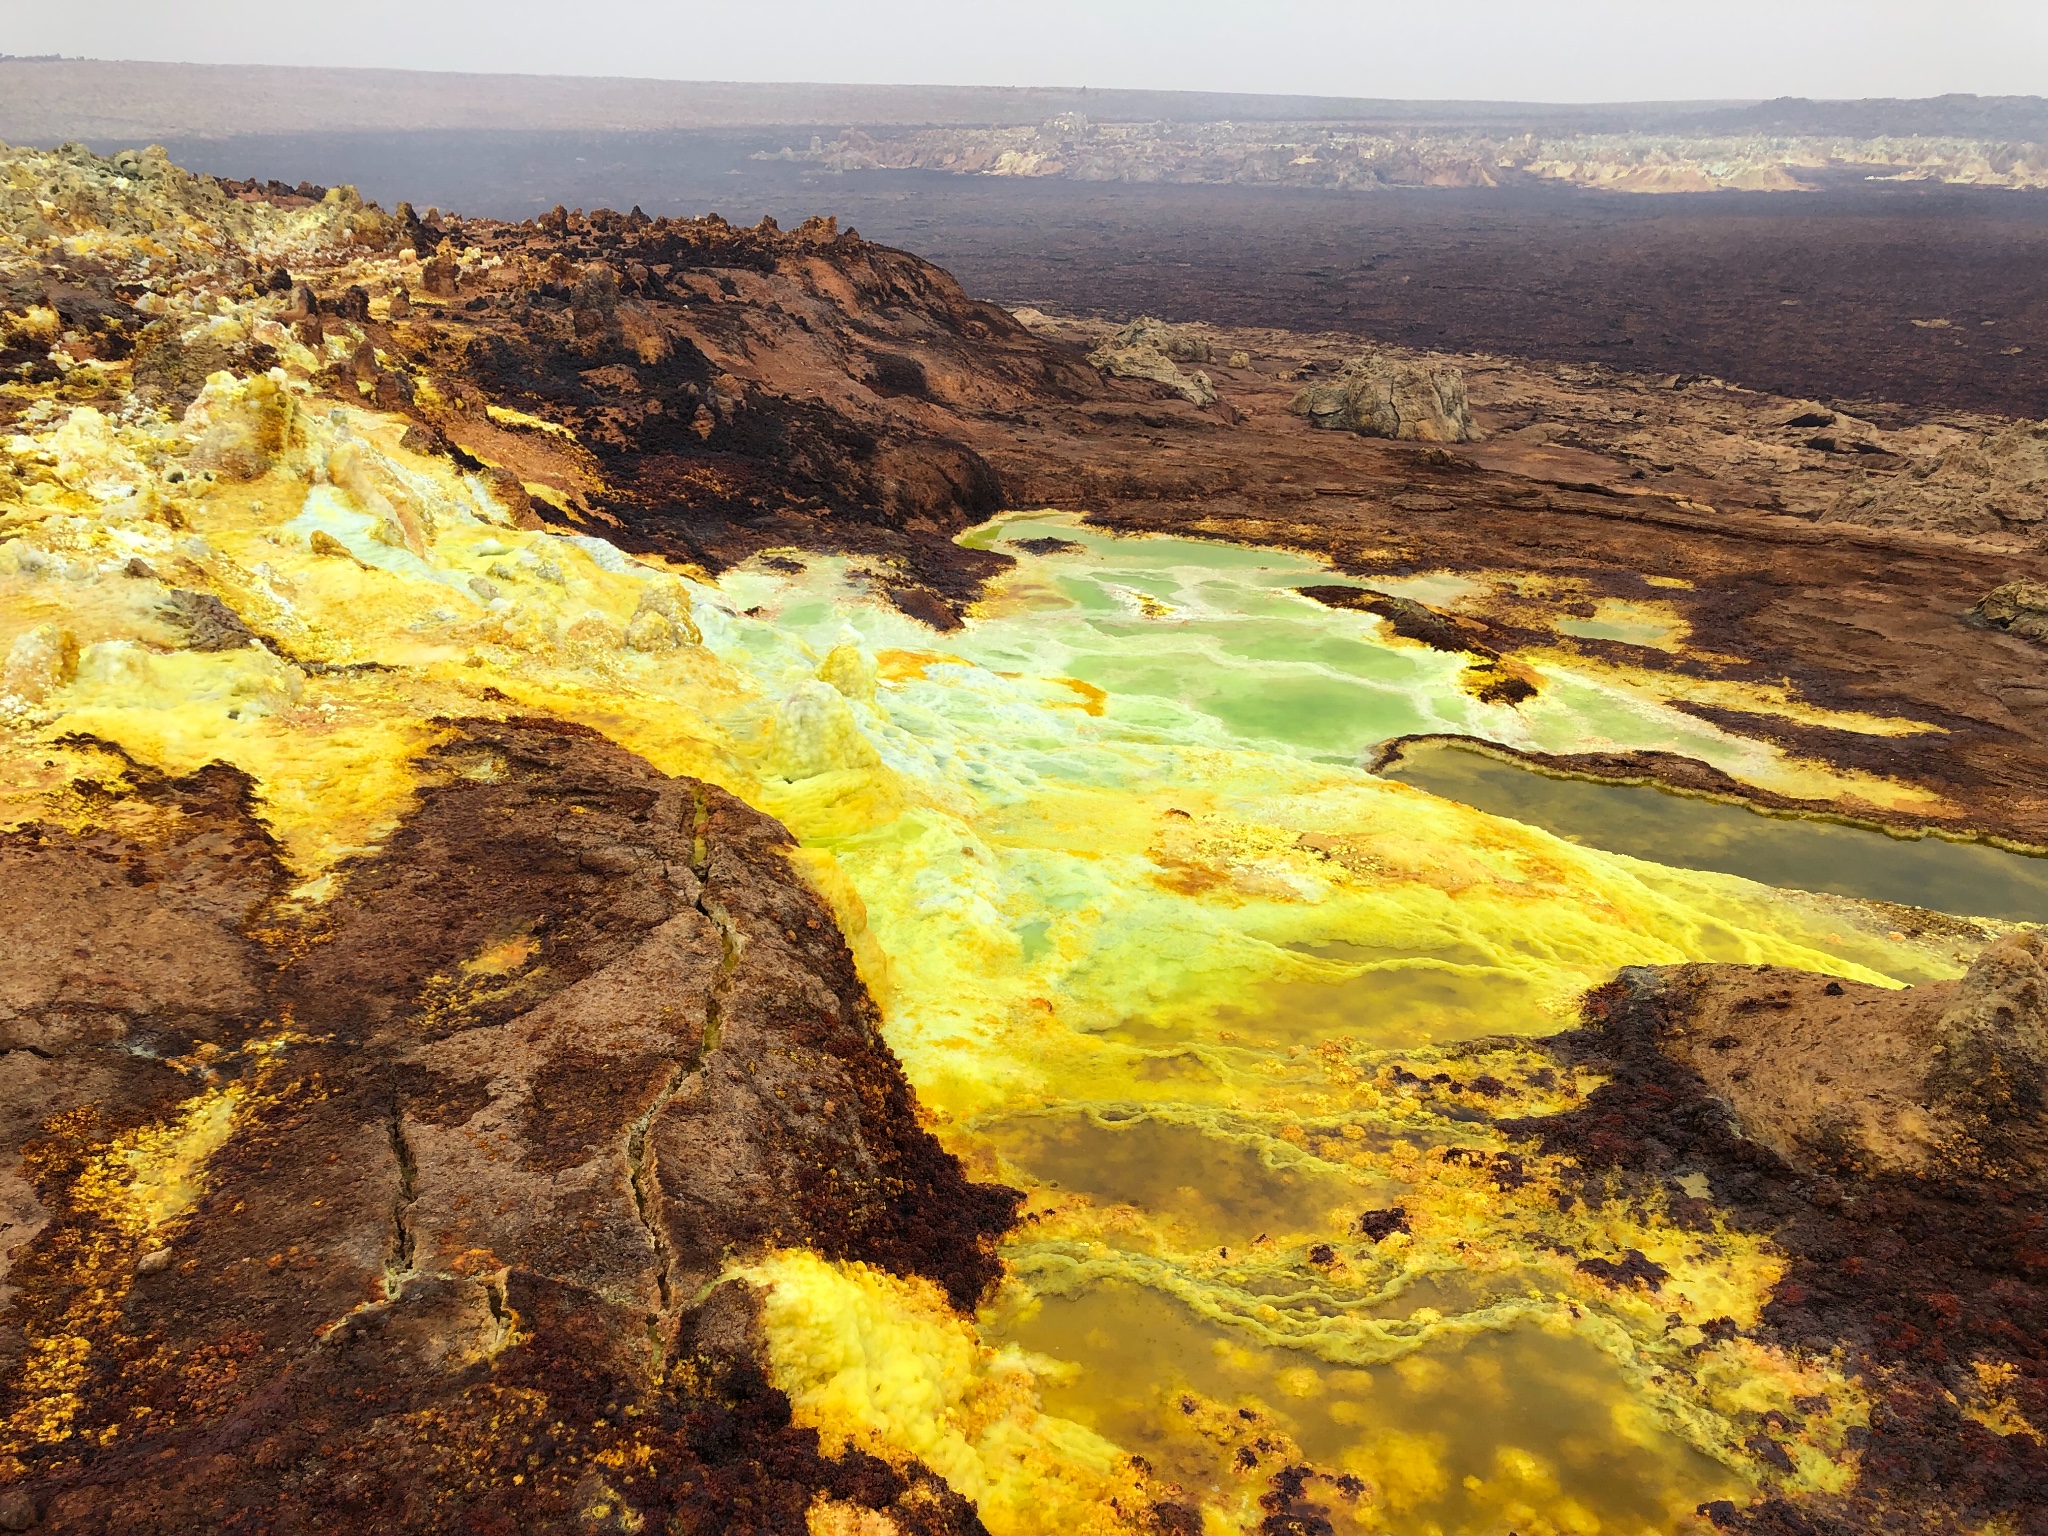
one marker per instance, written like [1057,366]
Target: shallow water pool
[1245,1022]
[1695,833]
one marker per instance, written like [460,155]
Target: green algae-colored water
[1154,947]
[1646,822]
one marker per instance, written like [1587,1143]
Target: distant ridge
[1985,117]
[47,100]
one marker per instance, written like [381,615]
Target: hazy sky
[1546,50]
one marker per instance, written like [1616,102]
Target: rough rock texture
[1153,350]
[1489,678]
[1934,1286]
[1995,481]
[1381,396]
[1940,1078]
[2018,607]
[1989,1075]
[408,1216]
[726,390]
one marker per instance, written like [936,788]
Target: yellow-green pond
[1243,1019]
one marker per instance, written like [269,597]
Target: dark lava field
[1804,294]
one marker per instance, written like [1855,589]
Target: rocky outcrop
[1989,1073]
[411,1215]
[1890,1145]
[1803,1109]
[1362,157]
[706,391]
[1152,349]
[693,389]
[1993,482]
[2018,607]
[1378,396]
[1940,1078]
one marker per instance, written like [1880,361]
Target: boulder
[1152,349]
[1939,1079]
[1378,396]
[1991,1065]
[439,275]
[2019,607]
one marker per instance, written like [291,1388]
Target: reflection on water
[1518,1430]
[1684,830]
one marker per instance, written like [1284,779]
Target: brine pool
[1155,948]
[1676,828]
[1243,1020]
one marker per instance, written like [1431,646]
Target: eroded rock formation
[2018,607]
[1992,482]
[1379,396]
[1153,350]
[413,1215]
[1941,1078]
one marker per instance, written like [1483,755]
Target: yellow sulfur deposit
[886,1366]
[1243,1020]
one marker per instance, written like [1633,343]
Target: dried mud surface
[490,1128]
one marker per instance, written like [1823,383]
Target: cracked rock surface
[413,1216]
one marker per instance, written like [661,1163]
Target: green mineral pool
[1692,832]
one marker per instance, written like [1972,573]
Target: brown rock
[205,622]
[546,1074]
[1990,1066]
[1153,350]
[2019,607]
[1378,396]
[172,371]
[440,275]
[1849,1077]
[510,494]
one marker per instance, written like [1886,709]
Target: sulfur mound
[1379,396]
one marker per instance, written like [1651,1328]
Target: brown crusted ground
[802,388]
[734,390]
[737,390]
[1934,1285]
[1622,480]
[575,1037]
